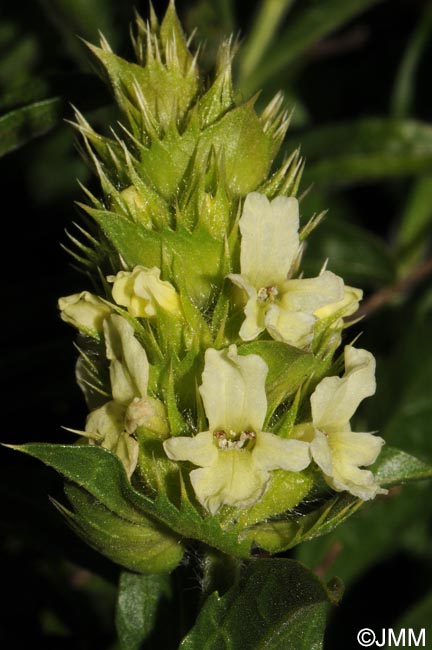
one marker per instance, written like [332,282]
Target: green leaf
[269,17]
[104,512]
[278,604]
[101,475]
[404,88]
[139,600]
[401,411]
[364,150]
[24,124]
[42,104]
[88,466]
[144,547]
[395,467]
[413,234]
[288,368]
[317,20]
[389,521]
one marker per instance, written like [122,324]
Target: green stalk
[219,572]
[267,21]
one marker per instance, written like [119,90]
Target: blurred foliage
[357,74]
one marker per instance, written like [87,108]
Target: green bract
[215,400]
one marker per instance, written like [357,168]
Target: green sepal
[154,96]
[166,161]
[200,254]
[177,424]
[133,242]
[248,151]
[280,535]
[285,492]
[219,98]
[172,36]
[154,468]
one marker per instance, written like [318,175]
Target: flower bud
[146,412]
[85,311]
[345,307]
[142,292]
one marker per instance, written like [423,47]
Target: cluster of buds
[208,362]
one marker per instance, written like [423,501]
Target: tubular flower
[270,247]
[142,292]
[85,311]
[338,451]
[345,307]
[235,456]
[113,424]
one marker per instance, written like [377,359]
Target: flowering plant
[220,382]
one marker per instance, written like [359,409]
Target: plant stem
[219,572]
[269,16]
[387,294]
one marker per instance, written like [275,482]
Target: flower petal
[353,448]
[234,481]
[292,327]
[85,311]
[321,452]
[339,456]
[272,452]
[253,324]
[233,390]
[359,482]
[345,307]
[199,450]
[243,282]
[143,292]
[149,286]
[311,293]
[108,422]
[336,399]
[129,367]
[127,449]
[270,239]
[123,294]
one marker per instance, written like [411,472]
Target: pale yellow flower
[112,425]
[338,451]
[345,307]
[235,456]
[270,247]
[105,427]
[142,292]
[84,311]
